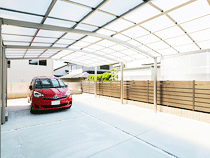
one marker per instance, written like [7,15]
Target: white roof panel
[128,52]
[98,18]
[167,51]
[118,47]
[135,32]
[86,27]
[48,40]
[19,16]
[135,43]
[148,39]
[106,32]
[41,44]
[204,45]
[26,5]
[18,30]
[187,48]
[65,41]
[123,6]
[119,25]
[198,24]
[16,38]
[60,45]
[107,50]
[73,36]
[170,32]
[91,39]
[82,44]
[92,3]
[169,4]
[178,41]
[68,11]
[159,23]
[143,13]
[106,43]
[158,45]
[122,37]
[62,23]
[201,35]
[191,11]
[49,33]
[95,47]
[17,43]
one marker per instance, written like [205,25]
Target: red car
[48,93]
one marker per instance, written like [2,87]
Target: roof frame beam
[156,16]
[80,21]
[64,29]
[57,48]
[42,22]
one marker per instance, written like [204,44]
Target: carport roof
[100,32]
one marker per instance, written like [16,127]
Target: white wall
[186,67]
[139,74]
[21,71]
[20,74]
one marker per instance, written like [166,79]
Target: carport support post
[155,83]
[4,86]
[121,83]
[95,87]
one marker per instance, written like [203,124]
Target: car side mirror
[30,87]
[66,86]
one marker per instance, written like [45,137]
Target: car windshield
[49,83]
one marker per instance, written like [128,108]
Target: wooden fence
[191,95]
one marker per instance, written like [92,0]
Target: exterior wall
[139,74]
[85,69]
[186,67]
[20,74]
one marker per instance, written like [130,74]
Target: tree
[113,74]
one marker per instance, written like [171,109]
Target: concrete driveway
[96,127]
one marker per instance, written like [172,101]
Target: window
[104,67]
[38,62]
[8,64]
[33,62]
[74,67]
[43,62]
[49,83]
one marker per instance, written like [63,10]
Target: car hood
[52,92]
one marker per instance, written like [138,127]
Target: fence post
[95,83]
[147,91]
[121,83]
[89,86]
[193,95]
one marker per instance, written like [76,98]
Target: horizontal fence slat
[179,94]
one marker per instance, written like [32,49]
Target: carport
[100,32]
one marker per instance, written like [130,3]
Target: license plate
[57,102]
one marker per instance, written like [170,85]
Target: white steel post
[155,84]
[95,87]
[1,75]
[4,86]
[4,69]
[121,83]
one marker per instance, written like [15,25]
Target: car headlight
[37,94]
[68,92]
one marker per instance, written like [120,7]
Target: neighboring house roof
[60,67]
[76,75]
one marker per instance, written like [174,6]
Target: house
[20,74]
[61,71]
[77,73]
